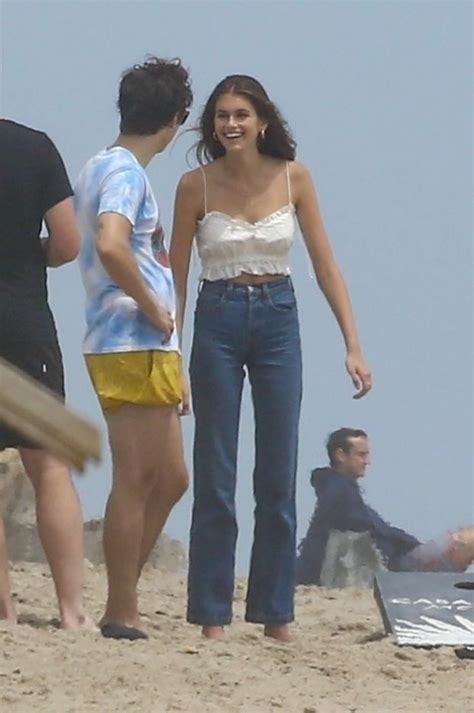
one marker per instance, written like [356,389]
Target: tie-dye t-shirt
[114,181]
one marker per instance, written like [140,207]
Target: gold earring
[214,136]
[262,134]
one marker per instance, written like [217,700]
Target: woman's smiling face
[236,123]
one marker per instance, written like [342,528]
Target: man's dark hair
[340,439]
[152,94]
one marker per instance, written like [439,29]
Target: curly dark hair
[152,94]
[277,141]
[340,439]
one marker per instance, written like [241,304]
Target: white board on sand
[427,608]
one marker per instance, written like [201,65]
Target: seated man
[341,507]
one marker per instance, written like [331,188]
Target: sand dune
[339,661]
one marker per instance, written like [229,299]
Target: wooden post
[39,415]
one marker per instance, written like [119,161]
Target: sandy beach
[338,662]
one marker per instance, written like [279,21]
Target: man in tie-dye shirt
[131,344]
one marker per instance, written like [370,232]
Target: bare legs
[169,487]
[7,609]
[59,521]
[149,477]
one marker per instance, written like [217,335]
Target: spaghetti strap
[205,189]
[288,181]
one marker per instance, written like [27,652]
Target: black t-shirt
[33,179]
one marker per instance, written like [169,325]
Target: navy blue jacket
[340,506]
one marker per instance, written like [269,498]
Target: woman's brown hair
[277,141]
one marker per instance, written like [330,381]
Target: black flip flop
[121,631]
[466,652]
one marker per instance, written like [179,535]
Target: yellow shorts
[148,378]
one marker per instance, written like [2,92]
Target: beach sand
[338,662]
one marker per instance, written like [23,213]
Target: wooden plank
[40,415]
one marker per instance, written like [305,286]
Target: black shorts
[43,362]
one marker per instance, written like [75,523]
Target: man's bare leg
[139,438]
[171,486]
[60,530]
[7,608]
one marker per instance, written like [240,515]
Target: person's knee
[181,483]
[176,484]
[134,484]
[172,485]
[42,469]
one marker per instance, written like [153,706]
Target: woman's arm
[62,244]
[187,208]
[328,274]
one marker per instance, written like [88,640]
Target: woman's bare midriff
[247,279]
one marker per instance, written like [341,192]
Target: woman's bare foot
[213,632]
[280,632]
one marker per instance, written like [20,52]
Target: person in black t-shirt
[34,186]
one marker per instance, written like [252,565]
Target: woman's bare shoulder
[301,179]
[194,179]
[190,180]
[299,171]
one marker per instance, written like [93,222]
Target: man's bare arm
[113,248]
[62,244]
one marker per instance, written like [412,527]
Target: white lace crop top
[229,246]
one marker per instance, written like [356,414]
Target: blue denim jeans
[255,327]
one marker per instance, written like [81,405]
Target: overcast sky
[378,97]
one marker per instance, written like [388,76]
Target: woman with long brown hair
[240,206]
